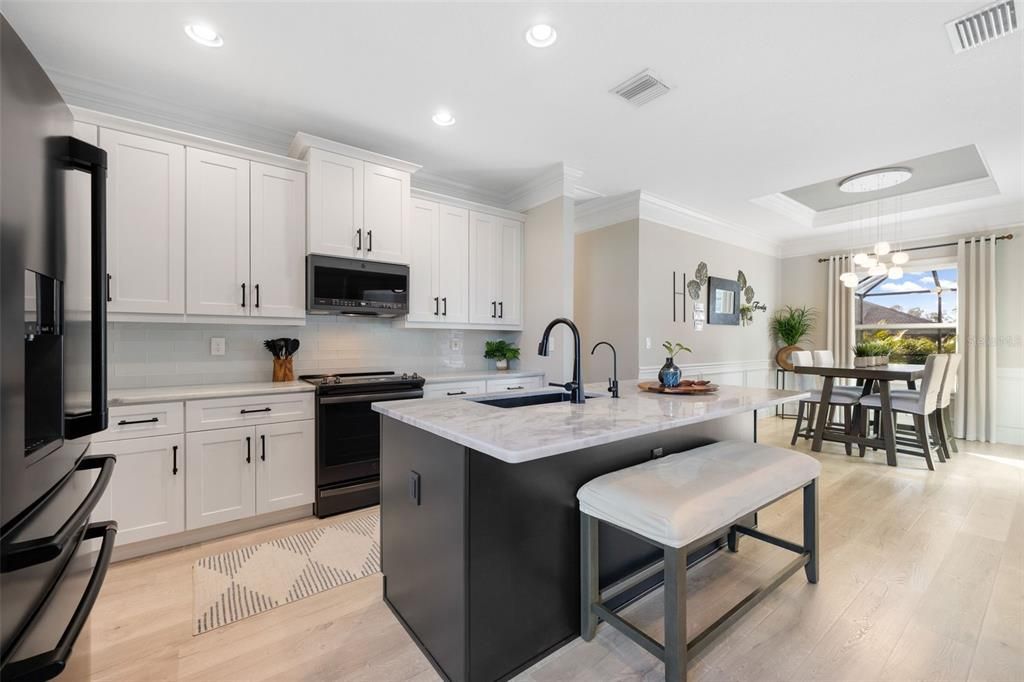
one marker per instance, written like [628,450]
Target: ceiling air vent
[640,89]
[983,26]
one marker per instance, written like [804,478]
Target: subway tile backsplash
[145,354]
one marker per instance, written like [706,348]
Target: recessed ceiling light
[204,35]
[443,118]
[541,35]
[874,180]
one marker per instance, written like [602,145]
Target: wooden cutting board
[656,387]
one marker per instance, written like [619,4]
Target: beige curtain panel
[839,323]
[976,339]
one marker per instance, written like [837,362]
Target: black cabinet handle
[125,422]
[501,309]
[456,393]
[263,447]
[369,237]
[174,464]
[257,295]
[513,388]
[248,450]
[243,294]
[494,308]
[359,236]
[109,278]
[265,409]
[444,302]
[435,305]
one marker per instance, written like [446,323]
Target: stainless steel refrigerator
[53,390]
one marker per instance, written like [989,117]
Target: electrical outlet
[217,345]
[455,344]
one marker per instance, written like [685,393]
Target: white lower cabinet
[285,471]
[454,389]
[237,473]
[221,476]
[146,494]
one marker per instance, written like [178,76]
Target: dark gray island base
[481,557]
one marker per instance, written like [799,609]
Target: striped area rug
[235,585]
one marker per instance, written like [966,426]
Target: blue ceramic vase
[670,375]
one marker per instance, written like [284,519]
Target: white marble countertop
[163,394]
[521,434]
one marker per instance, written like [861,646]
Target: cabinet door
[483,242]
[145,223]
[335,204]
[510,272]
[423,226]
[278,228]
[78,265]
[286,468]
[217,234]
[385,213]
[453,264]
[146,495]
[220,475]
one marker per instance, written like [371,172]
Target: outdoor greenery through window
[913,316]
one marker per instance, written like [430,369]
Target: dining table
[868,378]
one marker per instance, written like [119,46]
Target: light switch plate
[217,345]
[647,343]
[455,344]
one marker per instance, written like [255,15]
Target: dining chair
[920,404]
[842,396]
[940,421]
[825,358]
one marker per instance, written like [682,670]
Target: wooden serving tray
[656,387]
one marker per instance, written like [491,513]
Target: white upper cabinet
[385,214]
[359,201]
[453,264]
[217,233]
[145,223]
[483,268]
[510,272]
[278,241]
[423,226]
[335,204]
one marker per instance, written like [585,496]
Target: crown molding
[427,195]
[660,210]
[102,97]
[302,142]
[429,182]
[607,211]
[558,181]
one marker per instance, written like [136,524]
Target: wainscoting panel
[1010,405]
[752,373]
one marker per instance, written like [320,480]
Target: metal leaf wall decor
[693,286]
[742,279]
[748,293]
[701,275]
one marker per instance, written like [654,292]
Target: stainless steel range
[348,435]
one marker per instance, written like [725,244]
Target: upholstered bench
[681,502]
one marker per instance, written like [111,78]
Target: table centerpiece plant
[670,375]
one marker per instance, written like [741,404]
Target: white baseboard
[1010,405]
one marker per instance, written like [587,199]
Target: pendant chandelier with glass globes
[874,263]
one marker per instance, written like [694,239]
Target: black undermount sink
[535,399]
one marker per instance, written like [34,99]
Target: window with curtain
[914,316]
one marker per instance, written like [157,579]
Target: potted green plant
[862,354]
[501,351]
[670,375]
[746,314]
[790,327]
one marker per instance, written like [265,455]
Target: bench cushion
[680,498]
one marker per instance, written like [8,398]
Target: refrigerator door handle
[93,160]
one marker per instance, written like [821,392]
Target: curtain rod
[922,248]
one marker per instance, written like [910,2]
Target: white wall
[548,286]
[179,354]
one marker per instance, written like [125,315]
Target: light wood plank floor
[922,579]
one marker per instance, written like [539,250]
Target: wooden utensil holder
[283,369]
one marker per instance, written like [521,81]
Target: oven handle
[370,397]
[344,490]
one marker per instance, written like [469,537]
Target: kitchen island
[479,520]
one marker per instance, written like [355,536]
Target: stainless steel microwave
[352,286]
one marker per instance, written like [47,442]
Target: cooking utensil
[293,345]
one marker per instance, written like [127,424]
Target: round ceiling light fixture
[874,180]
[895,272]
[443,118]
[541,35]
[900,258]
[204,35]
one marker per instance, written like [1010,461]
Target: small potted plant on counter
[501,352]
[670,375]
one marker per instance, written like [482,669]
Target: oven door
[348,436]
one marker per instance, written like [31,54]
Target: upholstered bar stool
[681,502]
[845,397]
[940,420]
[921,405]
